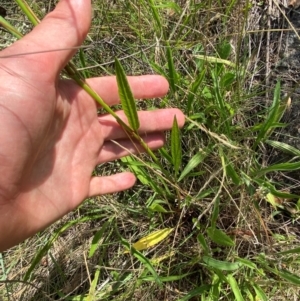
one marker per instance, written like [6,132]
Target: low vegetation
[215,213]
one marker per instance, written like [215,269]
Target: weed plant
[215,213]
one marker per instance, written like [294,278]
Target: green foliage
[127,100]
[210,182]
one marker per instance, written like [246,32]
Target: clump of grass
[213,213]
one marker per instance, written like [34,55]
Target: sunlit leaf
[212,59]
[126,97]
[152,239]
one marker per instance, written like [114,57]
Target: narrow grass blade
[126,96]
[215,213]
[85,73]
[220,237]
[97,238]
[290,277]
[193,89]
[235,288]
[259,292]
[230,171]
[202,242]
[155,14]
[176,150]
[247,263]
[279,167]
[49,243]
[172,72]
[273,116]
[221,265]
[145,261]
[93,288]
[193,163]
[167,278]
[28,12]
[152,239]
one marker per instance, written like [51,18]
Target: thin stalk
[28,12]
[6,25]
[72,72]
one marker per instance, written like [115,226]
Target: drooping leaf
[152,239]
[126,97]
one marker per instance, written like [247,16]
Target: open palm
[51,136]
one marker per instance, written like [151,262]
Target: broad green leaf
[126,97]
[193,163]
[284,147]
[176,151]
[97,237]
[235,288]
[152,239]
[221,265]
[220,237]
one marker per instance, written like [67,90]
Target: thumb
[63,28]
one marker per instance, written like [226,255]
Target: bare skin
[51,136]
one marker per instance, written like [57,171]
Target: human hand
[51,136]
